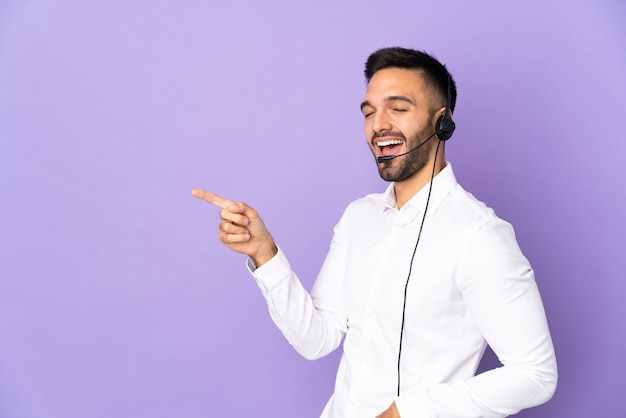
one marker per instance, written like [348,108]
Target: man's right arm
[313,332]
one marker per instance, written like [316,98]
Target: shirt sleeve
[498,286]
[314,332]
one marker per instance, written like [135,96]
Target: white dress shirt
[470,285]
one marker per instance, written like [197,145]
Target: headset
[445,126]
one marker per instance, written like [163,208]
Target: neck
[406,189]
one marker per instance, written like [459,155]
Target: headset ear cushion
[445,127]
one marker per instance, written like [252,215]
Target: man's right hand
[241,229]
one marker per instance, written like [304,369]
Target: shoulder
[362,212]
[487,236]
[463,208]
[366,205]
[471,227]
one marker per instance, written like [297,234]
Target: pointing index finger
[212,198]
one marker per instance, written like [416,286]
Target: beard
[406,166]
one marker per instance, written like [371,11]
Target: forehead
[396,81]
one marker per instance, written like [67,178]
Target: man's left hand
[391,412]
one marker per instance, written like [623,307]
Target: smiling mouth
[389,147]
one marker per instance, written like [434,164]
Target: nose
[381,122]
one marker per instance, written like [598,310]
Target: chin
[390,174]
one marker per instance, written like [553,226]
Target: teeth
[389,142]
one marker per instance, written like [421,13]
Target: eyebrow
[389,99]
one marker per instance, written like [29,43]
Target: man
[418,279]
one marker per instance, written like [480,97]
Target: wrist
[264,255]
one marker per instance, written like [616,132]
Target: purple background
[116,300]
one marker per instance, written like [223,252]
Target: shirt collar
[443,183]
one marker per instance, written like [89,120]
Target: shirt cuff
[272,273]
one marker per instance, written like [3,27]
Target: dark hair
[436,75]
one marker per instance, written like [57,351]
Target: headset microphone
[391,157]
